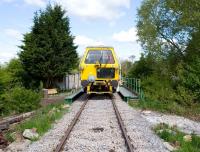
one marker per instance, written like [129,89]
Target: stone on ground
[30,134]
[169,147]
[187,138]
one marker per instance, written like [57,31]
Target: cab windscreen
[99,56]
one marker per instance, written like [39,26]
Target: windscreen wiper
[100,58]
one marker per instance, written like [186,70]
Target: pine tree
[48,51]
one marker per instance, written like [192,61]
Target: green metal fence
[133,85]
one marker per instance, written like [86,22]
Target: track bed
[97,129]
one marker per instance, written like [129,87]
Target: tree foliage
[169,32]
[125,66]
[163,26]
[18,100]
[11,74]
[48,52]
[14,97]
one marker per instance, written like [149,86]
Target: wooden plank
[5,122]
[52,91]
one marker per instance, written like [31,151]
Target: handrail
[134,85]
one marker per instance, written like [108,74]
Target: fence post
[136,85]
[139,86]
[74,81]
[127,82]
[132,86]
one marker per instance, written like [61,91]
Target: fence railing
[134,85]
[70,82]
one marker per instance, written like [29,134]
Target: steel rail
[69,129]
[122,126]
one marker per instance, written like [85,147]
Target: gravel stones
[50,140]
[184,124]
[97,130]
[139,130]
[18,146]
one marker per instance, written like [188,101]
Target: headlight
[91,78]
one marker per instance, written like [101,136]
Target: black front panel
[84,83]
[105,73]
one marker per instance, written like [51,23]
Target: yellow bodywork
[91,69]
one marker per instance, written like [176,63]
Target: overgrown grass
[42,120]
[192,112]
[176,138]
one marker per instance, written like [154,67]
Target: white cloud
[10,40]
[40,3]
[6,56]
[126,36]
[93,9]
[7,52]
[86,41]
[15,34]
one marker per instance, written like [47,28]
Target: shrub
[158,89]
[18,100]
[176,138]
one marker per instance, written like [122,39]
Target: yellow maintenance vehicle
[100,70]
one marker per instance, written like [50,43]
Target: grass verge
[192,112]
[42,121]
[178,139]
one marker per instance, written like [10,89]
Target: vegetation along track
[98,122]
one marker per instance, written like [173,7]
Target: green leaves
[18,100]
[161,27]
[49,52]
[169,32]
[11,75]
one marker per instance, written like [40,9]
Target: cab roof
[100,46]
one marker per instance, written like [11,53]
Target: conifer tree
[48,51]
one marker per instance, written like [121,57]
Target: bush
[159,89]
[176,138]
[18,100]
[5,79]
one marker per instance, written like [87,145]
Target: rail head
[122,126]
[70,128]
[77,116]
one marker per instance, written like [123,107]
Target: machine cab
[99,68]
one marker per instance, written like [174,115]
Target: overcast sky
[93,22]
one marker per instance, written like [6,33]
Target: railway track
[123,132]
[71,126]
[122,126]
